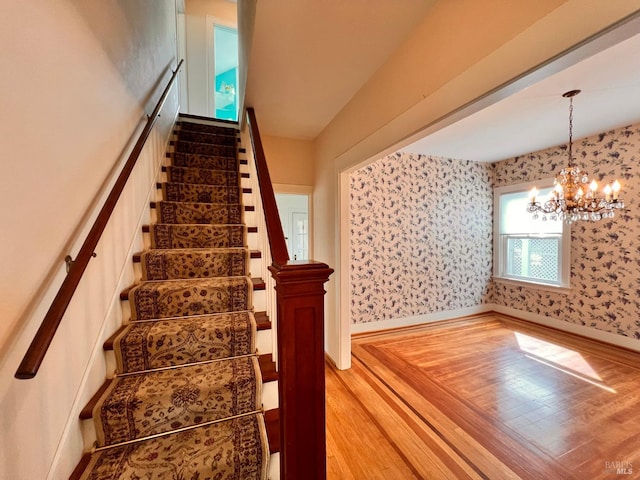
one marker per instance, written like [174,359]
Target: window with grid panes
[527,249]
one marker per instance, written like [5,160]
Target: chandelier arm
[571,201]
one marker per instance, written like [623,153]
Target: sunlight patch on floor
[560,358]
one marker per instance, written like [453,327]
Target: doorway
[294,215]
[222,82]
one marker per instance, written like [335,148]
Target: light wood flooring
[486,397]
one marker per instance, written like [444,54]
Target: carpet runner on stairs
[186,401]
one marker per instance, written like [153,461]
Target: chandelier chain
[571,131]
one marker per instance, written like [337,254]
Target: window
[527,249]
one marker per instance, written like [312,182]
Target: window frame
[500,242]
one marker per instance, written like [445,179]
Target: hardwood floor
[488,397]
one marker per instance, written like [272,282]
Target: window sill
[537,286]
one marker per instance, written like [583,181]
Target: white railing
[262,241]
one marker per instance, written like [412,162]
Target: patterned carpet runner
[178,341]
[226,450]
[186,400]
[194,263]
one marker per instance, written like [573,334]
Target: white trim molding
[420,319]
[582,330]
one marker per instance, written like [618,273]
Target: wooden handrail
[277,242]
[44,336]
[300,340]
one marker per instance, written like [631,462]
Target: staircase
[189,399]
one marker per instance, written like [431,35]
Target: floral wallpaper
[420,230]
[421,237]
[605,255]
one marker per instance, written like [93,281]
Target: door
[294,215]
[299,235]
[223,72]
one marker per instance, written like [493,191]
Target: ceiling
[537,117]
[309,58]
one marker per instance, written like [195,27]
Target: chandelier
[573,196]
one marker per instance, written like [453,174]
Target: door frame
[300,190]
[212,21]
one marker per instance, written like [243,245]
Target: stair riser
[181,341]
[269,401]
[198,213]
[197,236]
[176,192]
[264,342]
[174,264]
[204,149]
[270,395]
[252,241]
[250,218]
[255,269]
[203,176]
[212,139]
[179,300]
[193,160]
[206,128]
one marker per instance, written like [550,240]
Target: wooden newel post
[301,384]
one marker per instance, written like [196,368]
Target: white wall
[79,78]
[459,52]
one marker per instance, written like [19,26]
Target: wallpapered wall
[421,237]
[605,255]
[414,251]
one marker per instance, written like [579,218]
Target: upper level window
[527,249]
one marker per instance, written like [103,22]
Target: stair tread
[150,402]
[200,192]
[194,263]
[257,282]
[194,204]
[87,412]
[210,320]
[185,297]
[272,421]
[265,363]
[267,368]
[202,176]
[155,458]
[204,148]
[208,138]
[181,159]
[262,320]
[184,340]
[196,235]
[186,251]
[204,213]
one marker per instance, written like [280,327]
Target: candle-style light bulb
[533,194]
[607,193]
[558,191]
[616,189]
[593,186]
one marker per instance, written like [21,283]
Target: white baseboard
[419,319]
[582,330]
